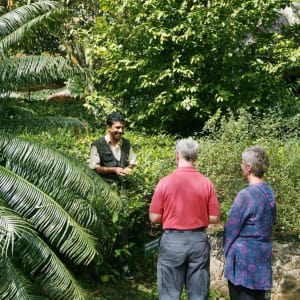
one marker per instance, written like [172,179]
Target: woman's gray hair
[257,158]
[188,149]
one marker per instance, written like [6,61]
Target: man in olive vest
[113,158]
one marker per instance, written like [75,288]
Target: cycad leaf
[51,163]
[76,206]
[47,164]
[13,284]
[47,217]
[29,71]
[11,227]
[38,124]
[18,34]
[17,17]
[39,261]
[47,269]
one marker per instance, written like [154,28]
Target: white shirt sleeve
[94,158]
[132,157]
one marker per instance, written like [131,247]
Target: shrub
[229,136]
[221,144]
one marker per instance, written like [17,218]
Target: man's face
[116,130]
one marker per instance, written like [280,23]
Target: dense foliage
[172,64]
[221,143]
[225,72]
[32,56]
[53,212]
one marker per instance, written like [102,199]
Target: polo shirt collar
[186,169]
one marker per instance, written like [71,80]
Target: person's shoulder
[248,192]
[125,141]
[266,186]
[205,178]
[166,178]
[267,189]
[245,189]
[99,141]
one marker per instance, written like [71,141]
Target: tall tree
[172,64]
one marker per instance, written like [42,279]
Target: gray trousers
[184,258]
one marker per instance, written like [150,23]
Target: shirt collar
[187,169]
[107,138]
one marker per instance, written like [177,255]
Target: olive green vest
[107,159]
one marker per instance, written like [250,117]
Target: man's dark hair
[114,117]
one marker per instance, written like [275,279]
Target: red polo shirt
[185,199]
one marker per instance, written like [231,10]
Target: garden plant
[226,73]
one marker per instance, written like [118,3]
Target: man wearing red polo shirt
[184,202]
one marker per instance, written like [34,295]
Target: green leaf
[47,217]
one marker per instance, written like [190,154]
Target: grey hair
[257,158]
[188,149]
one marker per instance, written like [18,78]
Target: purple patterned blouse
[247,237]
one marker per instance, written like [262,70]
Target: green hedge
[219,160]
[221,144]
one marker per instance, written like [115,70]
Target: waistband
[200,229]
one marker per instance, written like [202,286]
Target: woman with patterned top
[247,233]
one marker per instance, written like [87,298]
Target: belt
[200,229]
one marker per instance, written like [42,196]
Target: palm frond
[45,163]
[11,227]
[14,19]
[37,124]
[76,206]
[37,259]
[13,285]
[20,72]
[16,119]
[47,217]
[47,269]
[73,185]
[17,35]
[7,111]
